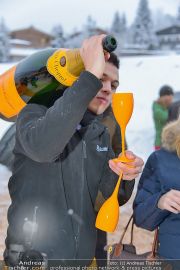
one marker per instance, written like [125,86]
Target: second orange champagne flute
[108,215]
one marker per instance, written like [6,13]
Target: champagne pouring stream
[108,215]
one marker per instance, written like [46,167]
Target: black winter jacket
[58,170]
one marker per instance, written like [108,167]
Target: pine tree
[143,27]
[119,24]
[124,22]
[59,39]
[116,24]
[119,28]
[4,42]
[178,15]
[89,29]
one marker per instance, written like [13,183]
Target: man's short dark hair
[114,60]
[166,90]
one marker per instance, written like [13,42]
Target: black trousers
[101,254]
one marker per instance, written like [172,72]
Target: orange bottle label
[10,101]
[57,65]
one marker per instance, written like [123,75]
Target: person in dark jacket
[160,112]
[157,203]
[174,109]
[62,158]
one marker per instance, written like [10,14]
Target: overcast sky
[44,14]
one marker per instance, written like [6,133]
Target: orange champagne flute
[122,105]
[108,215]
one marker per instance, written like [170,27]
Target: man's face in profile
[110,81]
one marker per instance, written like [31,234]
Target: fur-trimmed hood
[170,135]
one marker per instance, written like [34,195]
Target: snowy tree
[178,15]
[116,24]
[76,38]
[59,39]
[119,28]
[119,24]
[124,22]
[89,28]
[4,42]
[142,29]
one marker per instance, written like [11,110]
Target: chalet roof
[30,30]
[172,30]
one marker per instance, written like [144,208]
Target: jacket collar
[88,118]
[90,126]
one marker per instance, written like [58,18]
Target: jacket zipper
[82,189]
[67,207]
[84,149]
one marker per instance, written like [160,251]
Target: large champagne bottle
[40,77]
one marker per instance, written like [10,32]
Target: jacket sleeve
[43,133]
[109,180]
[146,213]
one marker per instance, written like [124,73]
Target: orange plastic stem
[116,190]
[123,129]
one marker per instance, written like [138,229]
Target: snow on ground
[4,177]
[4,67]
[4,125]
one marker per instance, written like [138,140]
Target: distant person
[160,112]
[174,109]
[157,203]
